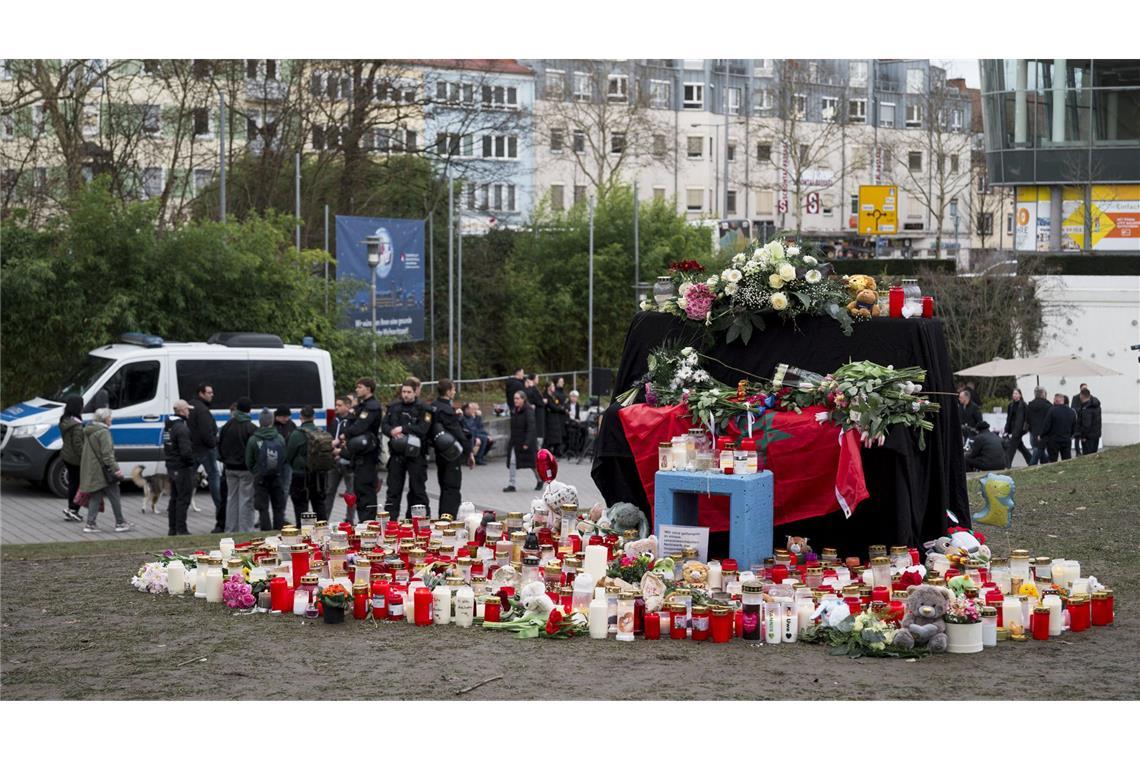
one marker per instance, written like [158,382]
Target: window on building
[557,140]
[730,151]
[887,115]
[696,147]
[799,105]
[91,120]
[202,180]
[497,197]
[857,110]
[512,102]
[765,202]
[985,223]
[658,193]
[981,183]
[887,158]
[914,115]
[583,86]
[854,204]
[151,119]
[660,147]
[468,96]
[763,151]
[202,68]
[805,155]
[251,68]
[763,68]
[660,93]
[694,198]
[956,119]
[829,108]
[762,100]
[318,137]
[555,84]
[827,201]
[579,141]
[579,194]
[734,100]
[152,182]
[730,202]
[201,121]
[500,146]
[9,126]
[151,66]
[1009,224]
[915,81]
[472,193]
[617,142]
[914,160]
[557,199]
[693,97]
[40,179]
[617,88]
[953,208]
[11,177]
[953,163]
[857,73]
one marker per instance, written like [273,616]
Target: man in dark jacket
[232,440]
[535,398]
[481,441]
[407,416]
[1060,426]
[1036,413]
[307,489]
[1088,422]
[970,413]
[180,467]
[204,438]
[986,450]
[365,421]
[516,383]
[342,471]
[449,470]
[265,458]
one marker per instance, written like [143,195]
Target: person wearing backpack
[265,458]
[232,441]
[181,467]
[308,451]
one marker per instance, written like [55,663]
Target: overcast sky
[964,67]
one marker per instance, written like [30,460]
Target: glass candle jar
[720,624]
[665,456]
[625,616]
[652,626]
[1019,564]
[1039,624]
[881,571]
[1052,602]
[701,620]
[728,459]
[677,629]
[1043,570]
[680,452]
[999,573]
[1080,613]
[1102,607]
[662,290]
[900,557]
[753,596]
[989,627]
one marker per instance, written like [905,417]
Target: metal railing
[489,391]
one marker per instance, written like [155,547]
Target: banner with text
[399,274]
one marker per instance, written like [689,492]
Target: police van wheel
[55,478]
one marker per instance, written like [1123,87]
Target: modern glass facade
[1066,134]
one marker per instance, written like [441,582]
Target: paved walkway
[30,515]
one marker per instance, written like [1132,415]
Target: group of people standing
[1056,429]
[548,419]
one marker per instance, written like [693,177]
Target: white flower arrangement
[731,288]
[810,261]
[738,259]
[812,276]
[787,272]
[779,301]
[775,281]
[712,281]
[732,276]
[151,577]
[645,305]
[793,250]
[682,302]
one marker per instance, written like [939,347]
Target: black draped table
[911,490]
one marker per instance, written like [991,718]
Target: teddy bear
[860,282]
[623,516]
[865,304]
[923,623]
[798,546]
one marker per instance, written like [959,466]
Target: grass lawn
[73,628]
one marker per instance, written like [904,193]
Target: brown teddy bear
[923,623]
[866,304]
[858,282]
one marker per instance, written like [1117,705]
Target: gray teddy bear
[923,623]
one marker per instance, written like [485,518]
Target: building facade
[1064,136]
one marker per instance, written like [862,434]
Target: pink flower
[626,561]
[699,301]
[247,600]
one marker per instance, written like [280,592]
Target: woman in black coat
[1016,425]
[555,420]
[524,441]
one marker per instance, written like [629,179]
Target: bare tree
[803,154]
[604,115]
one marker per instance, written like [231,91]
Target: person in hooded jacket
[267,482]
[99,473]
[1088,423]
[181,467]
[986,451]
[232,441]
[71,433]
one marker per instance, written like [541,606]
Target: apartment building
[767,144]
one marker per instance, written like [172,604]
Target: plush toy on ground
[865,304]
[923,623]
[623,516]
[799,548]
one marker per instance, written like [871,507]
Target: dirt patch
[73,628]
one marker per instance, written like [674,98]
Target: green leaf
[733,332]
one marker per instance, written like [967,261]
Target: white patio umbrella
[1050,366]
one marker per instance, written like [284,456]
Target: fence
[489,391]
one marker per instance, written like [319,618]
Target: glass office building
[1065,133]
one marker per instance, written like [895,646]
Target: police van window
[229,379]
[134,383]
[284,383]
[84,376]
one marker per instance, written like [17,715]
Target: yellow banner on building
[1113,216]
[878,209]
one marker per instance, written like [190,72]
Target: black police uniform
[450,474]
[414,418]
[366,418]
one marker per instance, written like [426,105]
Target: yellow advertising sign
[878,209]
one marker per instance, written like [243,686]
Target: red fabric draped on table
[812,469]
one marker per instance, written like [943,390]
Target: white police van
[142,376]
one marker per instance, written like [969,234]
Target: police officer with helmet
[452,448]
[362,446]
[407,424]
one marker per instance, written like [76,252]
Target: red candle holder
[895,304]
[928,306]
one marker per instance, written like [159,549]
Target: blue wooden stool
[750,508]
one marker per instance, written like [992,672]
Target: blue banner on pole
[399,275]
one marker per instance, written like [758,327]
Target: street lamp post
[372,244]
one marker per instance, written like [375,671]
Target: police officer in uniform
[448,465]
[366,418]
[406,424]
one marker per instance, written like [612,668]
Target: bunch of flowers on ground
[864,635]
[237,594]
[778,278]
[151,577]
